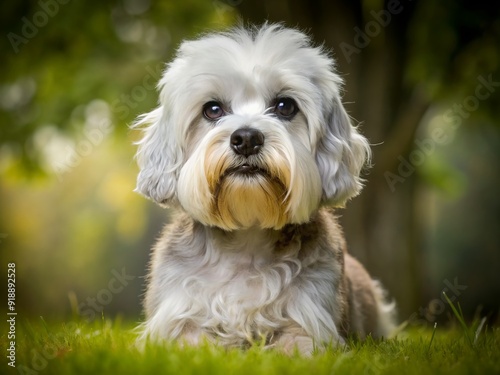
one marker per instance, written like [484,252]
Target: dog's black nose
[247,141]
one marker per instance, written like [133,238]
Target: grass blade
[479,329]
[460,318]
[45,325]
[432,337]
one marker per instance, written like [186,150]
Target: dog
[252,148]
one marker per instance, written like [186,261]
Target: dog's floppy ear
[341,154]
[158,157]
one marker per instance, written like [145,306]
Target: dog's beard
[250,198]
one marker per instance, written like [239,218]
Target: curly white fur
[235,292]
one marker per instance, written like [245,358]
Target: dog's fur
[255,256]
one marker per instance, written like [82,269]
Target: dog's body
[251,144]
[286,287]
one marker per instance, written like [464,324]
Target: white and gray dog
[252,147]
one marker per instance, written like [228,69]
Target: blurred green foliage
[69,88]
[81,52]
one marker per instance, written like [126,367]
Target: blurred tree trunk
[380,224]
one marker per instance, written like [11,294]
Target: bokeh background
[422,80]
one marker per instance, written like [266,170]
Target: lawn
[107,347]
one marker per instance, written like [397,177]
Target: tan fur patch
[246,201]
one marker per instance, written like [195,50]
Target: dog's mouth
[251,172]
[247,170]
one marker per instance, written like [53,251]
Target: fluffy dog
[252,147]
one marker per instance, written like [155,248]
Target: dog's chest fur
[240,287]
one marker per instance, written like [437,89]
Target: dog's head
[250,131]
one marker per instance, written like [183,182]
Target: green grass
[107,347]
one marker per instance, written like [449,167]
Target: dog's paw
[290,343]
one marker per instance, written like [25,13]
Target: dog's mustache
[249,169]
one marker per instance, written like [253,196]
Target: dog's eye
[213,110]
[286,108]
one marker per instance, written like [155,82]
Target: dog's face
[250,131]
